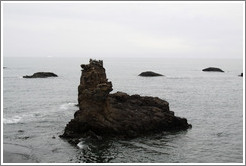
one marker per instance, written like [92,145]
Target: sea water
[36,111]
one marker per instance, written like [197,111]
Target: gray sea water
[35,111]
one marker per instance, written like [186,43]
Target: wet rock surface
[117,114]
[149,74]
[41,75]
[213,69]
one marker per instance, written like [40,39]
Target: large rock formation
[117,114]
[41,75]
[149,74]
[213,69]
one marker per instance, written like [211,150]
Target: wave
[13,120]
[37,116]
[18,119]
[67,106]
[81,145]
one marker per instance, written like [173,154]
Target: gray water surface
[36,111]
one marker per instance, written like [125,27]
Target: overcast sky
[124,29]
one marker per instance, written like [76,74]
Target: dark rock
[26,137]
[241,75]
[213,69]
[117,114]
[41,75]
[149,74]
[4,67]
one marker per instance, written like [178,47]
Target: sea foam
[67,105]
[12,120]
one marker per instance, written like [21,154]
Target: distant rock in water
[117,114]
[149,74]
[241,75]
[41,75]
[213,69]
[4,67]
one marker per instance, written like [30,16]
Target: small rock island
[117,114]
[41,75]
[213,69]
[149,74]
[241,75]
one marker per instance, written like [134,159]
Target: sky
[123,29]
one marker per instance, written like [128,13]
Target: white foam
[13,120]
[67,105]
[81,145]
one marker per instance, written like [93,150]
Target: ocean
[36,111]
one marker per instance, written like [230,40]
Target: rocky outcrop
[41,75]
[213,69]
[117,114]
[149,74]
[241,75]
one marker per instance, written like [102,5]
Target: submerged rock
[213,69]
[41,75]
[117,114]
[241,75]
[149,74]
